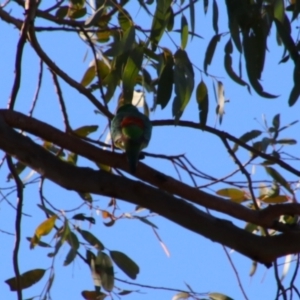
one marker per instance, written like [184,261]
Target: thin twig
[61,101]
[18,221]
[39,84]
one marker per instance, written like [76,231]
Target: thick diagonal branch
[261,249]
[45,131]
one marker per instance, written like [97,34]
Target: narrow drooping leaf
[104,267]
[233,24]
[192,16]
[287,40]
[254,52]
[184,31]
[131,70]
[63,237]
[26,279]
[295,93]
[124,45]
[88,76]
[215,17]
[228,66]
[279,12]
[210,50]
[246,137]
[124,19]
[160,21]
[74,244]
[171,20]
[276,121]
[203,102]
[165,81]
[279,178]
[184,82]
[126,264]
[91,239]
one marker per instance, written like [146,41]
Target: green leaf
[184,31]
[46,210]
[215,15]
[62,12]
[170,24]
[246,137]
[124,45]
[235,195]
[74,243]
[203,102]
[279,13]
[95,18]
[276,122]
[228,66]
[218,296]
[76,13]
[86,197]
[184,82]
[294,95]
[91,239]
[279,178]
[104,267]
[165,80]
[84,131]
[254,53]
[131,70]
[210,51]
[88,76]
[64,235]
[287,39]
[160,21]
[192,16]
[286,142]
[124,19]
[126,264]
[39,242]
[26,279]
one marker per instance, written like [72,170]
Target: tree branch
[265,217]
[258,248]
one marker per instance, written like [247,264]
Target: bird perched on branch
[131,131]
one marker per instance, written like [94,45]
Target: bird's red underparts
[127,121]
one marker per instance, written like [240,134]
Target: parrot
[131,131]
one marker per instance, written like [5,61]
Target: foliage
[154,60]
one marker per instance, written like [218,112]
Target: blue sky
[193,259]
